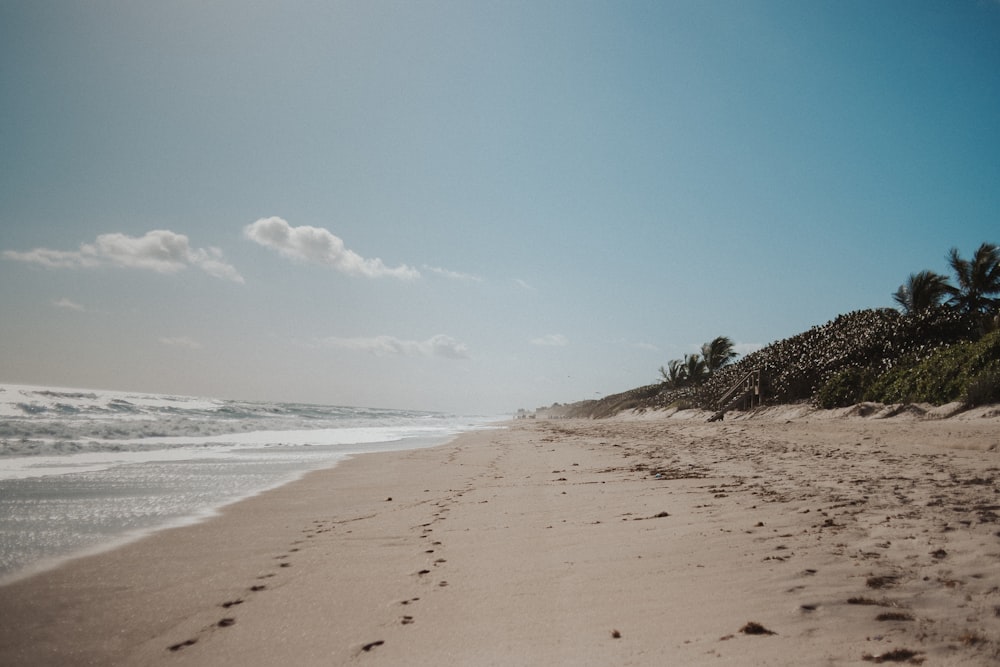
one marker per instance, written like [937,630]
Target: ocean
[85,470]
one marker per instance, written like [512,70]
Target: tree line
[972,295]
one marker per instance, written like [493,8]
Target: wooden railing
[747,393]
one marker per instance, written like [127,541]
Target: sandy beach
[792,538]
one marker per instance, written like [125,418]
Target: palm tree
[977,278]
[717,353]
[695,370]
[922,291]
[675,373]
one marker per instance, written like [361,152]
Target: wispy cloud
[68,305]
[185,342]
[315,244]
[646,346]
[523,284]
[160,250]
[435,346]
[551,340]
[452,275]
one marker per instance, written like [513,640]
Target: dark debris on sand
[895,655]
[754,628]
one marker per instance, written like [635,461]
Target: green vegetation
[846,387]
[978,278]
[967,372]
[717,353]
[922,291]
[694,369]
[942,345]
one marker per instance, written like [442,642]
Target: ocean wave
[42,421]
[26,447]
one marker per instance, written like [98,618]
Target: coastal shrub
[845,388]
[797,368]
[637,398]
[983,390]
[937,380]
[963,371]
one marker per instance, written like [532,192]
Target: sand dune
[791,538]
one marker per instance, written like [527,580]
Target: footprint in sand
[183,644]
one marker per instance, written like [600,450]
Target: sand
[792,538]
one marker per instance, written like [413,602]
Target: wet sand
[787,539]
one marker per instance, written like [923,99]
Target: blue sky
[471,206]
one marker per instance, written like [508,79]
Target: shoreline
[200,512]
[539,543]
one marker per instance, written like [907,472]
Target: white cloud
[211,262]
[68,305]
[552,340]
[523,284]
[182,341]
[314,244]
[446,346]
[453,275]
[159,250]
[646,346]
[435,346]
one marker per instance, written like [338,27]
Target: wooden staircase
[746,394]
